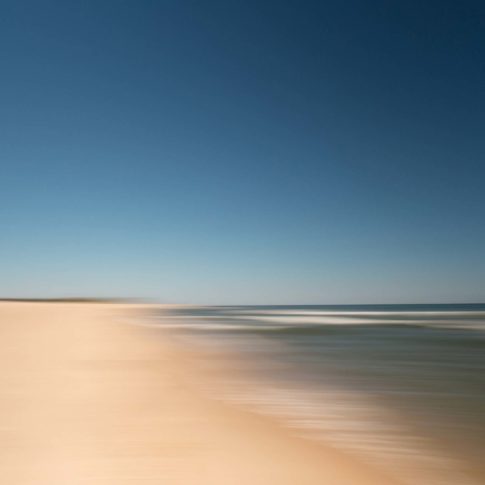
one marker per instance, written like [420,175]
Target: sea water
[401,386]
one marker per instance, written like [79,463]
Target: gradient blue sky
[243,151]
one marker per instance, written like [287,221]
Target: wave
[403,385]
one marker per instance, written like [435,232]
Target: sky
[238,152]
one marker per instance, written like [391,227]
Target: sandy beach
[87,398]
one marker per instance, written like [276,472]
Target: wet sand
[86,398]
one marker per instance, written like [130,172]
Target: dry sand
[86,398]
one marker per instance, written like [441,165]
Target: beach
[87,396]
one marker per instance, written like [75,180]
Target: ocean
[399,386]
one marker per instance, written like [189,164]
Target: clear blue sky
[243,151]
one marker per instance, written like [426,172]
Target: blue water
[402,386]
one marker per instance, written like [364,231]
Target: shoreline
[87,399]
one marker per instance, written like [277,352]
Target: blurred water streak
[402,386]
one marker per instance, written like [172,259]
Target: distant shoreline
[137,300]
[70,300]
